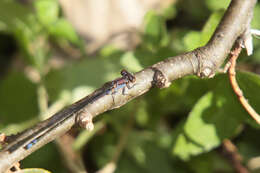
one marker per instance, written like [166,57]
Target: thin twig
[230,152]
[72,158]
[42,98]
[111,166]
[123,139]
[232,78]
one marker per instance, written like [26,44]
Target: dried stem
[73,160]
[230,152]
[232,78]
[111,166]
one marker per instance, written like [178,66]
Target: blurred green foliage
[178,129]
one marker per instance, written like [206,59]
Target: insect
[123,82]
[61,117]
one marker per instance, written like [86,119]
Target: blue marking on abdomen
[28,146]
[121,86]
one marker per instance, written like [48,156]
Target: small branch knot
[85,120]
[206,68]
[159,79]
[207,72]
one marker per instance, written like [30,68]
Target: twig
[42,98]
[203,62]
[111,166]
[232,78]
[72,158]
[230,152]
[123,139]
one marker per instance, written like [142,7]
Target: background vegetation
[178,129]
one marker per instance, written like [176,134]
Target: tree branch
[203,62]
[229,151]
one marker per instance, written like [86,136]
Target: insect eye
[124,73]
[128,75]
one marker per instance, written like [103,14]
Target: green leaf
[126,165]
[130,61]
[142,116]
[209,163]
[195,39]
[47,11]
[147,57]
[62,29]
[152,26]
[11,13]
[179,97]
[199,165]
[248,146]
[177,42]
[19,98]
[155,33]
[87,75]
[192,40]
[216,116]
[214,5]
[155,156]
[32,42]
[34,170]
[183,147]
[103,147]
[210,26]
[46,157]
[250,85]
[20,21]
[149,156]
[255,21]
[170,12]
[109,50]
